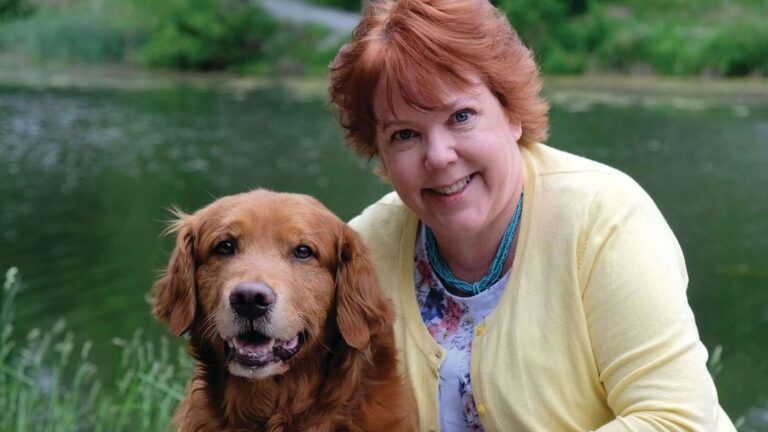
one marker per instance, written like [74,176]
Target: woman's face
[458,167]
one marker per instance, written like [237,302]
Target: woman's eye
[303,252]
[403,135]
[225,248]
[462,116]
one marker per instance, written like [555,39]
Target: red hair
[421,46]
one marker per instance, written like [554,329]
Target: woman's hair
[421,46]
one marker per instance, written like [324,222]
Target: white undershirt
[452,320]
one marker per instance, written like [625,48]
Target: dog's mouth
[255,350]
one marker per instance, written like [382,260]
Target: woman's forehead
[393,99]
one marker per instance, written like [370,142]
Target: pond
[87,176]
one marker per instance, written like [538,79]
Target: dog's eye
[303,252]
[224,248]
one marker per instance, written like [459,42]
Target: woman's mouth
[454,188]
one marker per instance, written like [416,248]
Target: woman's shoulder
[550,162]
[569,177]
[382,218]
[385,208]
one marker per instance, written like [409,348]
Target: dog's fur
[343,377]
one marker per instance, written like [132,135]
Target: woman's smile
[453,192]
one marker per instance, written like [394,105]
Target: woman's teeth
[454,188]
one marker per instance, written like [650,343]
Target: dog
[285,319]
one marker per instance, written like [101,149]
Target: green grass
[48,383]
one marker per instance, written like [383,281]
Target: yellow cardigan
[593,332]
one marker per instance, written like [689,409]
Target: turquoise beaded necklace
[494,273]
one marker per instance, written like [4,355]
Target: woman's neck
[470,256]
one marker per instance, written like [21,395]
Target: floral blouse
[451,320]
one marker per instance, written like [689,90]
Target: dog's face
[258,275]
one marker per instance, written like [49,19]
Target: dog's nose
[251,299]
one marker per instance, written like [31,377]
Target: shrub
[559,32]
[739,49]
[350,5]
[206,34]
[13,9]
[675,50]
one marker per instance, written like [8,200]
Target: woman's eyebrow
[459,102]
[389,123]
[453,105]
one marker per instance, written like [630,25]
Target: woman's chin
[465,224]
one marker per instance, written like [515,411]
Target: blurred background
[111,111]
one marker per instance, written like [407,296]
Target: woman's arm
[643,332]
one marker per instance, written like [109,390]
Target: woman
[535,290]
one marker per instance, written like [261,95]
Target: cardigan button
[480,330]
[481,409]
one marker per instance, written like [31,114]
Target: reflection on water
[87,177]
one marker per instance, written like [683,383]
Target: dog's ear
[174,293]
[361,308]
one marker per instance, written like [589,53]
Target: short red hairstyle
[417,46]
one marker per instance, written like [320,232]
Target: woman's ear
[174,293]
[361,308]
[516,128]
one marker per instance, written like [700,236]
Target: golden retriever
[285,319]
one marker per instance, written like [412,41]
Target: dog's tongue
[254,344]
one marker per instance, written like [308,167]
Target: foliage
[739,48]
[82,36]
[206,34]
[178,34]
[13,9]
[560,32]
[685,37]
[48,382]
[350,5]
[298,50]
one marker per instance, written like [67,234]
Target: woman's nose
[441,150]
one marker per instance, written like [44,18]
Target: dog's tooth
[236,343]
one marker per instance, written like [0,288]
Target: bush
[559,32]
[13,9]
[350,5]
[739,49]
[678,38]
[206,34]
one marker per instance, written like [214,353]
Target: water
[86,177]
